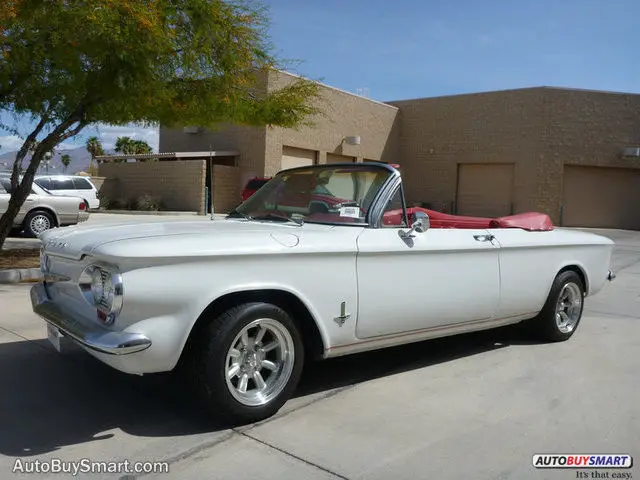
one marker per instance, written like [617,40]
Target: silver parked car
[42,210]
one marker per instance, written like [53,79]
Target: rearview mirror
[421,224]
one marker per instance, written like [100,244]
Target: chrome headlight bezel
[45,261]
[101,286]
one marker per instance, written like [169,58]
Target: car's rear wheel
[248,362]
[559,318]
[37,222]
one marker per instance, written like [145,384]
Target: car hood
[179,238]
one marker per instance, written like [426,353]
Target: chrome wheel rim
[39,224]
[568,308]
[259,363]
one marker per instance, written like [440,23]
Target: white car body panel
[440,277]
[363,287]
[164,265]
[529,261]
[235,255]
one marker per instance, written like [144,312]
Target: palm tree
[94,147]
[140,146]
[65,160]
[125,145]
[129,146]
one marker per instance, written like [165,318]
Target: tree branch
[31,138]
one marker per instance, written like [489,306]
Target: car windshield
[336,194]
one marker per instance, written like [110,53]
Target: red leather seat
[531,221]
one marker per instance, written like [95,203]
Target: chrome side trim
[89,336]
[422,335]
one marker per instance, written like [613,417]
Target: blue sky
[412,48]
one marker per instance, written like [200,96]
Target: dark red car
[253,185]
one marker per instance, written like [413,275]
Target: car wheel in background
[248,362]
[37,222]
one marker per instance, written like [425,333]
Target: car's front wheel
[249,362]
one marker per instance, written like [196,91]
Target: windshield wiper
[275,216]
[235,214]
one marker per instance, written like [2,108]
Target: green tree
[142,147]
[66,65]
[94,147]
[129,146]
[66,161]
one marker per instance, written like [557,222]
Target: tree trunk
[19,194]
[22,189]
[6,221]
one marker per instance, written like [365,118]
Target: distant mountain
[80,160]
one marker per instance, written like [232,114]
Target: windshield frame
[371,218]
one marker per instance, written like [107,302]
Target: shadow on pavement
[51,400]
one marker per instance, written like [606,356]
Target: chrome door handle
[484,238]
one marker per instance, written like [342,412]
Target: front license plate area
[54,337]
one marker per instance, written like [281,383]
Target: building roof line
[346,92]
[521,89]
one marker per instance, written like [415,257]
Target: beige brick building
[558,151]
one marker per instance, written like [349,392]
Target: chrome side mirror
[421,224]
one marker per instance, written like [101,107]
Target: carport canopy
[213,154]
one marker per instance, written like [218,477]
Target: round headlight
[101,287]
[97,286]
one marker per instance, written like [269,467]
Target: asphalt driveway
[474,406]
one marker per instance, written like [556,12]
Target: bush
[119,204]
[105,203]
[148,203]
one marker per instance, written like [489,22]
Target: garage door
[335,158]
[297,157]
[601,197]
[485,190]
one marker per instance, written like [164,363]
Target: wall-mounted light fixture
[631,152]
[353,140]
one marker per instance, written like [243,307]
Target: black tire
[209,363]
[44,216]
[545,326]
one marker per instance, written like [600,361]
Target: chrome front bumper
[92,337]
[610,275]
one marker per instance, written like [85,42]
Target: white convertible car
[322,261]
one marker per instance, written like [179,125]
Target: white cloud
[9,143]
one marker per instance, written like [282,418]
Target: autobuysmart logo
[561,460]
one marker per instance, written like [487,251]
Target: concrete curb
[18,275]
[142,212]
